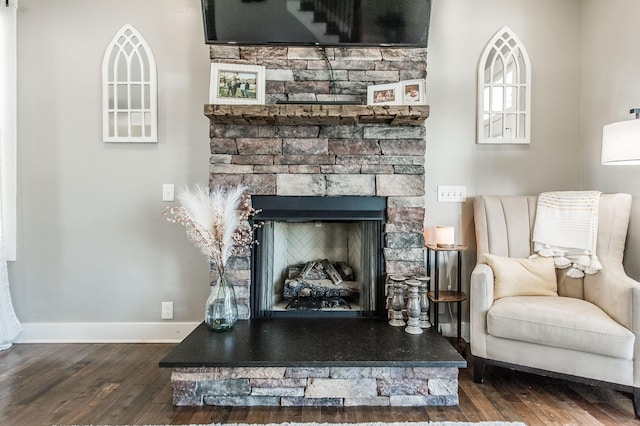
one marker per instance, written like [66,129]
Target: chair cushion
[523,277]
[563,322]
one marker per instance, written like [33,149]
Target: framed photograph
[384,94]
[413,92]
[236,84]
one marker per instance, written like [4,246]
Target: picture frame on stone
[413,92]
[384,94]
[237,84]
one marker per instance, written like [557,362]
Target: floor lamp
[621,142]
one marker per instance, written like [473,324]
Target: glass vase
[221,309]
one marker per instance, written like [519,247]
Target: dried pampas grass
[216,221]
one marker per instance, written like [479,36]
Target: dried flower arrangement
[216,221]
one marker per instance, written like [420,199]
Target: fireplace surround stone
[321,151]
[326,150]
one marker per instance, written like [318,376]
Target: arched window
[129,89]
[504,91]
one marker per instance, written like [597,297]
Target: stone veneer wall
[322,386]
[363,159]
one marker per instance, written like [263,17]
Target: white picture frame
[384,94]
[236,84]
[413,92]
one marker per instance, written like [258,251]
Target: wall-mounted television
[393,23]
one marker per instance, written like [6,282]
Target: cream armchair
[587,333]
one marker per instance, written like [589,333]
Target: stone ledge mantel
[317,114]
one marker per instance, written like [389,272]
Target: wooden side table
[436,296]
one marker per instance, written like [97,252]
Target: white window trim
[8,124]
[152,83]
[481,85]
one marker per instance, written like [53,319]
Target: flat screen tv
[393,23]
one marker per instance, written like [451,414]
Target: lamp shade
[621,143]
[445,236]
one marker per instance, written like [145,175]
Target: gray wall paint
[460,30]
[610,88]
[92,246]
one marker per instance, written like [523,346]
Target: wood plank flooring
[121,384]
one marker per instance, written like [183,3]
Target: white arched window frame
[504,91]
[129,89]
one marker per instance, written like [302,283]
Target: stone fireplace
[306,165]
[323,150]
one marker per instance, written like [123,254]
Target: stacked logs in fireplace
[320,284]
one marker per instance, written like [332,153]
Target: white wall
[610,88]
[460,30]
[92,246]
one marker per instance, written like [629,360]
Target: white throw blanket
[566,227]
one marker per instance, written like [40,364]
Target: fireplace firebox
[318,256]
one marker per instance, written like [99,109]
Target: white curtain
[10,326]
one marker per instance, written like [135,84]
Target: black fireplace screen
[318,256]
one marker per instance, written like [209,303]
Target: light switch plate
[452,193]
[168,192]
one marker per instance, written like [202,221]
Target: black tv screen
[395,23]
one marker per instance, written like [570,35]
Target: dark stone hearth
[314,362]
[313,342]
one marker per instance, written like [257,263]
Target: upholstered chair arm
[619,296]
[636,332]
[480,300]
[612,290]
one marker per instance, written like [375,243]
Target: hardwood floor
[116,384]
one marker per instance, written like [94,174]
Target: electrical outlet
[167,310]
[452,193]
